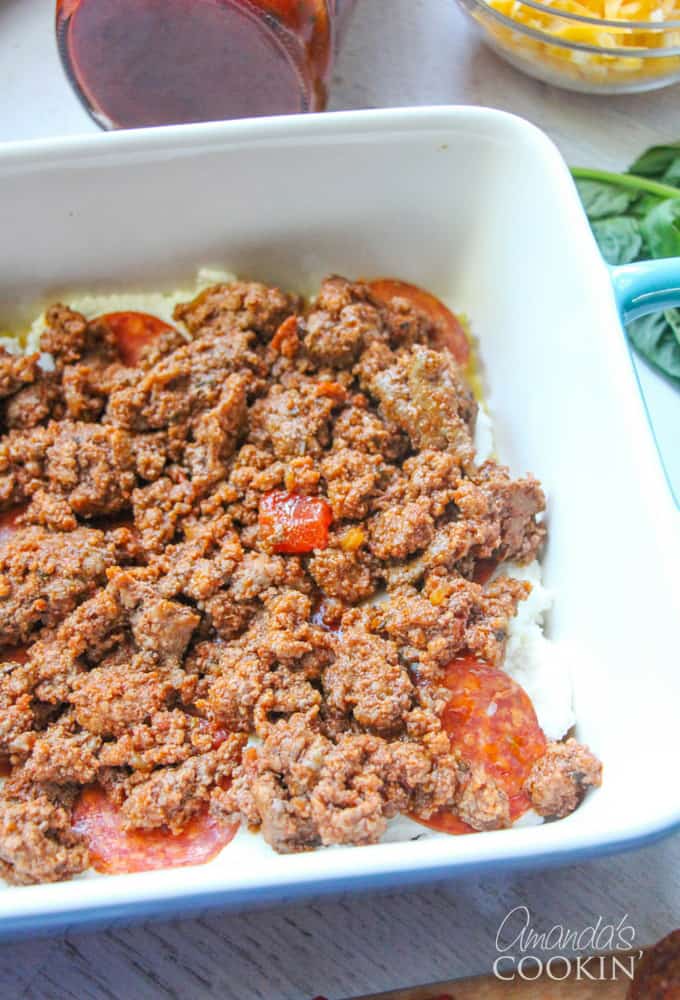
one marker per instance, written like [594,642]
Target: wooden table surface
[398,52]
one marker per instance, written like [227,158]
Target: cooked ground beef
[17,718]
[423,392]
[458,616]
[167,619]
[378,697]
[246,305]
[37,843]
[482,803]
[343,321]
[16,371]
[350,575]
[184,384]
[172,795]
[45,574]
[305,790]
[292,420]
[559,780]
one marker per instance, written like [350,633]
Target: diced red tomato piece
[490,719]
[332,390]
[450,331]
[115,851]
[294,523]
[133,332]
[286,340]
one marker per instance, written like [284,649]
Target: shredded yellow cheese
[590,67]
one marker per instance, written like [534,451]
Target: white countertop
[398,52]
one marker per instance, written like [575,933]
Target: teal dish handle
[647,286]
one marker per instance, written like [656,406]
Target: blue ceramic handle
[647,286]
[641,288]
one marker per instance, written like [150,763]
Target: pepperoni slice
[133,332]
[491,721]
[294,522]
[450,332]
[116,851]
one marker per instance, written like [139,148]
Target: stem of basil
[627,181]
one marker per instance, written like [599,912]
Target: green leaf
[673,320]
[644,205]
[672,175]
[636,216]
[640,210]
[601,199]
[660,229]
[618,238]
[655,338]
[662,162]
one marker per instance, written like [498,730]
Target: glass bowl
[579,52]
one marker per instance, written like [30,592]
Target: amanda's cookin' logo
[525,952]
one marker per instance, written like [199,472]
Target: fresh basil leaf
[660,229]
[644,204]
[638,218]
[619,239]
[660,162]
[655,338]
[672,175]
[601,199]
[642,207]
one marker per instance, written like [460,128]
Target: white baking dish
[478,206]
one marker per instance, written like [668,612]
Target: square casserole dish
[479,207]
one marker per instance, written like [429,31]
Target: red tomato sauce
[133,332]
[116,851]
[491,721]
[161,62]
[298,523]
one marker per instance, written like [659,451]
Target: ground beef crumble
[559,780]
[150,623]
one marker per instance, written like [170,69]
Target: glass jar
[135,63]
